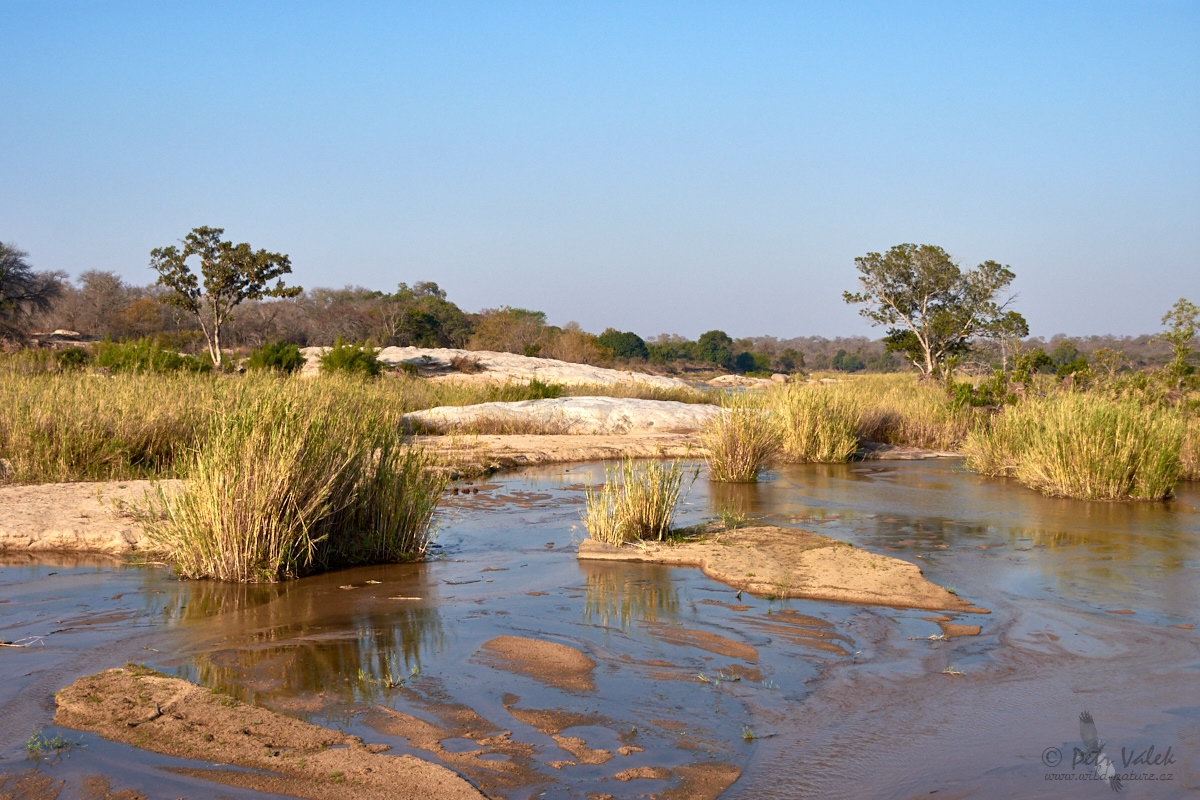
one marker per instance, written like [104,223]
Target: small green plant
[355,359]
[40,743]
[748,735]
[72,358]
[276,356]
[732,517]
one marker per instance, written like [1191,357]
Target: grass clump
[1083,446]
[740,441]
[277,357]
[1189,454]
[639,500]
[815,423]
[281,488]
[355,359]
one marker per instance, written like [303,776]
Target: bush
[72,358]
[146,355]
[815,423]
[637,501]
[352,358]
[276,356]
[1083,446]
[282,487]
[758,363]
[624,344]
[739,442]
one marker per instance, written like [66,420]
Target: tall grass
[814,422]
[280,488]
[639,500]
[902,410]
[1083,446]
[739,442]
[1189,455]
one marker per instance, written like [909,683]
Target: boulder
[571,415]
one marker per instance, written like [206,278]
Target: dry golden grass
[739,442]
[639,500]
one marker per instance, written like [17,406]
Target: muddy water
[840,701]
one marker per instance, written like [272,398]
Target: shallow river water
[1092,610]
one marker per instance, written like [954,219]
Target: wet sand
[166,715]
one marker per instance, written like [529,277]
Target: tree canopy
[231,275]
[934,308]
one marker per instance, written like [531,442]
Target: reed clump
[639,500]
[814,422]
[280,488]
[739,442]
[903,410]
[1189,454]
[1083,446]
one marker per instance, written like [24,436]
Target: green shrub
[276,356]
[72,358]
[352,358]
[624,344]
[281,487]
[146,355]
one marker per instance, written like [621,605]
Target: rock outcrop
[569,415]
[489,366]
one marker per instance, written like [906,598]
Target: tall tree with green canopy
[934,308]
[232,273]
[1181,325]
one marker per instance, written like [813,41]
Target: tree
[1180,323]
[934,308]
[232,274]
[624,344]
[716,348]
[23,292]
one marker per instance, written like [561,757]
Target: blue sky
[657,167]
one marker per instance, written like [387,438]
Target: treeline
[102,305]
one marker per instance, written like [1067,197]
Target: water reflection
[334,635]
[622,594]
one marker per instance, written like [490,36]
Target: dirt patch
[496,763]
[166,715]
[97,787]
[952,631]
[29,785]
[702,640]
[785,562]
[76,517]
[702,782]
[583,754]
[549,662]
[644,773]
[799,629]
[550,720]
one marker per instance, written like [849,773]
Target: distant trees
[509,330]
[716,348]
[934,308]
[23,292]
[231,275]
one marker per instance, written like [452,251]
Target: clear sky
[657,167]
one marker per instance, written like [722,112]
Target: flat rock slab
[502,367]
[575,415]
[785,562]
[878,451]
[75,517]
[149,710]
[470,454]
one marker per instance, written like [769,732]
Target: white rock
[578,415]
[741,380]
[503,367]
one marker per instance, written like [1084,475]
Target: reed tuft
[740,442]
[815,423]
[639,500]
